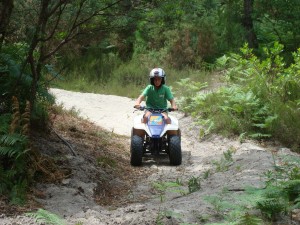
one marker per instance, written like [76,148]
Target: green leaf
[44,216]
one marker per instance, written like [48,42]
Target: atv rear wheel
[175,150]
[136,150]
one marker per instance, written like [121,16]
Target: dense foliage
[109,46]
[260,98]
[277,199]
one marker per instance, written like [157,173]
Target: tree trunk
[6,7]
[125,36]
[248,24]
[35,65]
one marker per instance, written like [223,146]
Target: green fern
[225,162]
[7,151]
[292,188]
[272,207]
[13,149]
[248,219]
[280,195]
[297,203]
[4,123]
[274,202]
[225,223]
[44,216]
[250,197]
[194,184]
[163,187]
[219,203]
[260,100]
[12,139]
[11,145]
[18,192]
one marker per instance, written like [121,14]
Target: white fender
[173,126]
[137,124]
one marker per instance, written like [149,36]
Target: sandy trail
[114,113]
[200,162]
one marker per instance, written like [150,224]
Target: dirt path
[156,203]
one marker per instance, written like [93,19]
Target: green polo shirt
[157,98]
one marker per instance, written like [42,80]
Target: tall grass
[105,74]
[261,99]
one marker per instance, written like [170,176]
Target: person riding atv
[155,132]
[157,94]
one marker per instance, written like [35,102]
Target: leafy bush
[46,217]
[14,129]
[273,203]
[261,98]
[17,115]
[278,198]
[15,80]
[194,184]
[248,219]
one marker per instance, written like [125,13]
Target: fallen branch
[236,189]
[65,142]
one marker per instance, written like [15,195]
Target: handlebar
[142,108]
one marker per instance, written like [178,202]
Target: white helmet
[157,72]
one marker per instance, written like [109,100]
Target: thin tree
[52,21]
[248,24]
[6,7]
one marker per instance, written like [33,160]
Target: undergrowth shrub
[95,63]
[189,47]
[273,202]
[14,147]
[260,100]
[103,72]
[188,92]
[131,74]
[286,125]
[45,217]
[15,80]
[17,117]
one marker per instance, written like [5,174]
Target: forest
[109,47]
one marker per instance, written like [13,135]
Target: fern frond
[7,151]
[25,119]
[9,174]
[248,219]
[25,129]
[4,123]
[219,204]
[21,153]
[251,197]
[1,169]
[225,223]
[16,115]
[47,217]
[272,206]
[274,192]
[292,188]
[3,188]
[12,139]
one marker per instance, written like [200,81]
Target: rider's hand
[137,106]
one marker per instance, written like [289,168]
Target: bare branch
[58,5]
[55,26]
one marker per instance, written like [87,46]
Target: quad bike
[155,137]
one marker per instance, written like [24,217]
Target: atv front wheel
[175,150]
[136,150]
